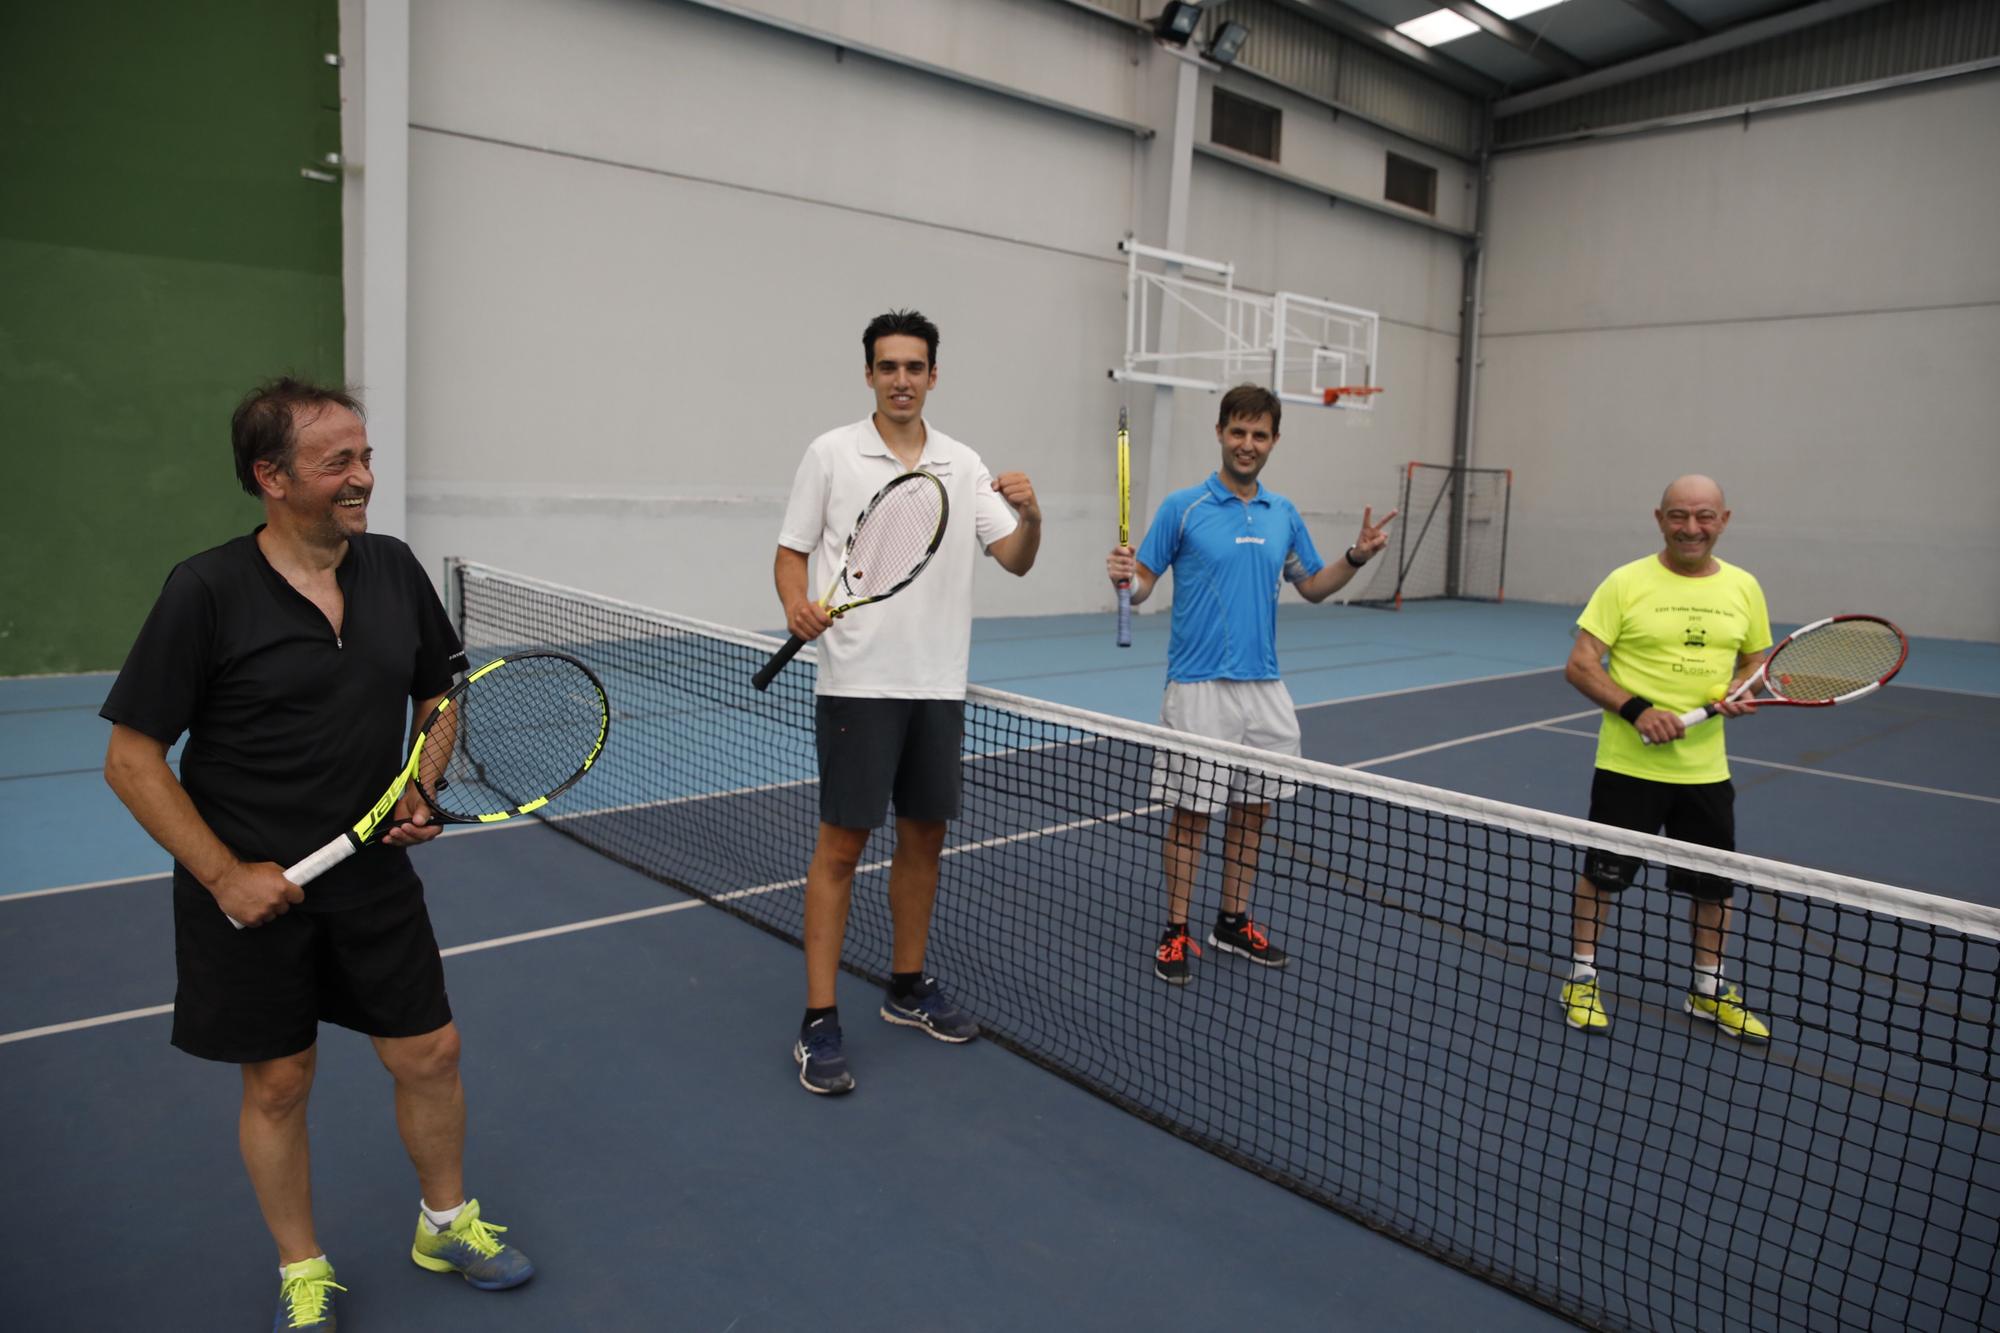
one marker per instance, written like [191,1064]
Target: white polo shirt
[915,645]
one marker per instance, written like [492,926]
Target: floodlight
[1225,46]
[1178,21]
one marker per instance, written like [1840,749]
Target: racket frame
[1775,700]
[365,829]
[769,671]
[1124,529]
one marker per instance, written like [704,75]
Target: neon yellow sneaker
[1726,1011]
[306,1299]
[471,1247]
[1582,1006]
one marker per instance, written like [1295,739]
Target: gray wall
[1807,307]
[644,238]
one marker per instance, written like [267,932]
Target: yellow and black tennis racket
[894,538]
[505,741]
[1124,529]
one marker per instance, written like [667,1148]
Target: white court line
[1421,689]
[571,928]
[55,1029]
[1828,773]
[1482,736]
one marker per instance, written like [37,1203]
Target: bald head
[1691,518]
[1693,492]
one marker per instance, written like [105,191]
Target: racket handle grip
[1691,717]
[326,858]
[1125,613]
[769,671]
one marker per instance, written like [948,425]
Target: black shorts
[1703,813]
[261,993]
[873,749]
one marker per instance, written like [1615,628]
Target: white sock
[1708,980]
[285,1270]
[1583,967]
[440,1221]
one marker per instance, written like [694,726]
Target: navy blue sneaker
[822,1063]
[471,1247]
[931,1011]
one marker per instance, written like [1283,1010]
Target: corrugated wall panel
[1876,43]
[1293,50]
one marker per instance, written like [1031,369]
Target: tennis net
[1411,1068]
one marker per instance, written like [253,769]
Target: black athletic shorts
[261,993]
[1703,813]
[871,750]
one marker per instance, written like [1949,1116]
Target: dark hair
[265,427]
[911,322]
[1252,401]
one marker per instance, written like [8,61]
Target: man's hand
[256,892]
[1659,726]
[410,821]
[1122,564]
[807,619]
[1018,491]
[1374,536]
[1736,707]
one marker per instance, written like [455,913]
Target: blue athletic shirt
[1228,557]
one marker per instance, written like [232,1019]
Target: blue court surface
[637,1121]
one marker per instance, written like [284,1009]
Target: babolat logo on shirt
[1254,541]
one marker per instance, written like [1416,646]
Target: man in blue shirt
[1231,544]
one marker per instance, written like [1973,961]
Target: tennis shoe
[930,1011]
[1726,1011]
[1170,963]
[306,1298]
[822,1063]
[1248,941]
[1583,1006]
[471,1247]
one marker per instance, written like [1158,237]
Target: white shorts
[1246,712]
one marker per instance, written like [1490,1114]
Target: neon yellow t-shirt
[1674,640]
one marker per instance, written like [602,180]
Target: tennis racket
[893,539]
[505,741]
[1831,661]
[1124,529]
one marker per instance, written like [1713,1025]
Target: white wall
[1807,308]
[644,239]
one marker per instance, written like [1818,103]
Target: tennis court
[571,293]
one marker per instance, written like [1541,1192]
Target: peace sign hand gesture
[1374,536]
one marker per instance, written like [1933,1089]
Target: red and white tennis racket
[1831,661]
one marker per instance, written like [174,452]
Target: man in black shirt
[292,657]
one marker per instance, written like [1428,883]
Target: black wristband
[1633,707]
[1349,557]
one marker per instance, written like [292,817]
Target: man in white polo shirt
[891,690]
[1232,544]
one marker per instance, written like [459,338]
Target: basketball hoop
[1359,391]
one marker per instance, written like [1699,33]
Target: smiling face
[1246,446]
[902,376]
[1691,518]
[322,494]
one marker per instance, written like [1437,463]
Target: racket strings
[894,539]
[1837,659]
[520,732]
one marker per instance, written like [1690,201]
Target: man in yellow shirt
[1681,629]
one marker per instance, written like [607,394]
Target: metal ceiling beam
[1353,23]
[1729,39]
[1664,15]
[1533,45]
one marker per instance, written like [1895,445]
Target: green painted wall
[159,254]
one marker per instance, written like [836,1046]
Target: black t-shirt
[292,731]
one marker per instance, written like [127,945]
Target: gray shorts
[1257,713]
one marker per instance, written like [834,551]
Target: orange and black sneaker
[1245,937]
[1170,962]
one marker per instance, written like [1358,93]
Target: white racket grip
[321,861]
[1694,715]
